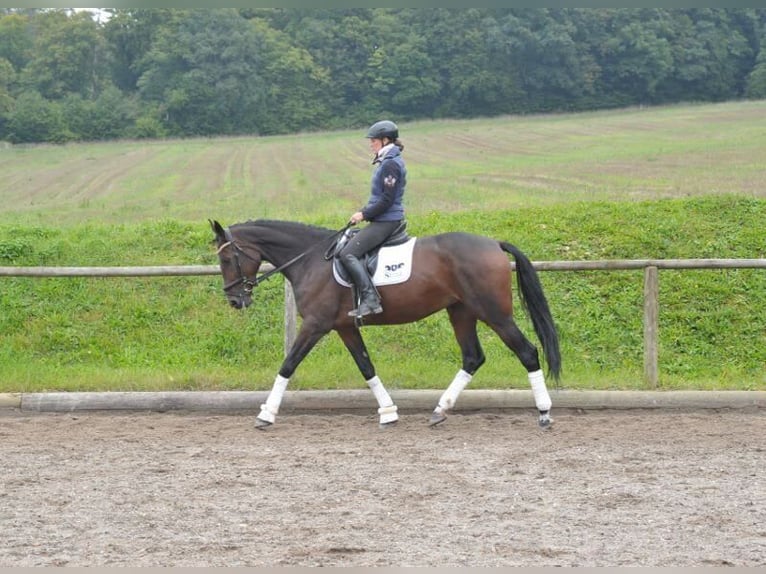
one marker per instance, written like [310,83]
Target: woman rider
[384,212]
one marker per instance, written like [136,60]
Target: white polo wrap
[381,394]
[270,408]
[542,398]
[387,409]
[449,397]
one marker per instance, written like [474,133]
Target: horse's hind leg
[464,325]
[387,410]
[527,353]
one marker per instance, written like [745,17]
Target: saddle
[370,260]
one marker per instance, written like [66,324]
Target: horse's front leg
[387,410]
[307,338]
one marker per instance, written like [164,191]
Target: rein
[252,283]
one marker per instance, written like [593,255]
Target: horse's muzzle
[240,301]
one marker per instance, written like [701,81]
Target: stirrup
[365,309]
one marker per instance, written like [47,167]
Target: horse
[468,275]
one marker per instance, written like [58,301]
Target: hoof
[388,425]
[261,424]
[545,421]
[437,418]
[388,415]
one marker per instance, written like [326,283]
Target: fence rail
[175,270]
[651,269]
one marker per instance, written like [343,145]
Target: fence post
[291,316]
[651,325]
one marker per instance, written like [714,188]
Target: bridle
[250,283]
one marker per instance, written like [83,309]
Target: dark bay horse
[468,275]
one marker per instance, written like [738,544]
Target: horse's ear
[216,227]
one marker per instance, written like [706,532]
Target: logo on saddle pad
[393,264]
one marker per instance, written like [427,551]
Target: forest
[69,75]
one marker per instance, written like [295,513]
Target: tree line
[66,75]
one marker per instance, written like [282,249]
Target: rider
[384,212]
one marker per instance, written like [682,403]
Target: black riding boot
[370,302]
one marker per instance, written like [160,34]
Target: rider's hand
[356,218]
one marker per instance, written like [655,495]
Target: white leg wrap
[381,394]
[449,397]
[270,408]
[387,409]
[542,398]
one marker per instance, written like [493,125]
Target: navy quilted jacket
[388,183]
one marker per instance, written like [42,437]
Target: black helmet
[383,129]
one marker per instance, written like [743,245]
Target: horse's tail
[534,301]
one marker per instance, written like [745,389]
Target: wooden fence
[651,269]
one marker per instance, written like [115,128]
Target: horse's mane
[293,228]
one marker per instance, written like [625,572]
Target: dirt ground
[603,488]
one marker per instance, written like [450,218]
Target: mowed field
[490,164]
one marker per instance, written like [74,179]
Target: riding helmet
[383,129]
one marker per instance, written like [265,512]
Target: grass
[676,182]
[178,333]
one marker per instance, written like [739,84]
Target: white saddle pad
[394,265]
